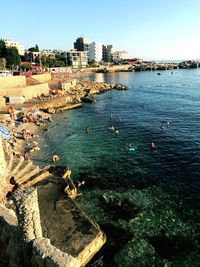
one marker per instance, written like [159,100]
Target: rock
[88,99]
[120,87]
[50,110]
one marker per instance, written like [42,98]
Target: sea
[146,200]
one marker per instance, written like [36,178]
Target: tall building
[81,44]
[77,59]
[107,54]
[120,55]
[95,52]
[11,43]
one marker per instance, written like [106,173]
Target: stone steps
[39,178]
[10,164]
[24,172]
[17,167]
[35,170]
[25,169]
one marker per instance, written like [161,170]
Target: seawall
[27,87]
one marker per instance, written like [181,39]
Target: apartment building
[107,53]
[77,59]
[11,43]
[95,52]
[47,53]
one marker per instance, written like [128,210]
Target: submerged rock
[170,247]
[119,209]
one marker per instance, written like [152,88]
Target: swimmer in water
[152,145]
[87,130]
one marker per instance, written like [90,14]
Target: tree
[12,57]
[37,60]
[2,48]
[34,49]
[37,48]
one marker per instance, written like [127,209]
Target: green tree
[34,48]
[37,48]
[61,60]
[12,57]
[37,60]
[2,48]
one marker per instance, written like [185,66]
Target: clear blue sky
[150,29]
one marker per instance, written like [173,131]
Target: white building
[95,52]
[120,55]
[11,43]
[47,53]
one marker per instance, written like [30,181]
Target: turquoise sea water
[146,201]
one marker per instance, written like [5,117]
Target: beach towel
[4,133]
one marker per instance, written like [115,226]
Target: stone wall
[42,78]
[38,253]
[21,81]
[20,86]
[21,241]
[10,240]
[12,81]
[29,92]
[35,90]
[46,255]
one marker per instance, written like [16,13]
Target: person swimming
[129,145]
[165,125]
[111,128]
[152,145]
[119,119]
[87,130]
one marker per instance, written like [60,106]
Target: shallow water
[163,184]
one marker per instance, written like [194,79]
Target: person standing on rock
[11,112]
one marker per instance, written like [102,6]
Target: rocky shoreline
[68,95]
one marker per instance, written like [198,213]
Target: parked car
[5,73]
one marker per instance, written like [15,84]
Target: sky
[148,29]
